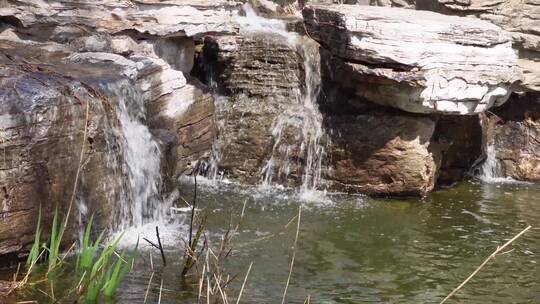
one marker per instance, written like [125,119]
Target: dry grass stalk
[148,287]
[491,256]
[293,256]
[160,289]
[79,167]
[244,284]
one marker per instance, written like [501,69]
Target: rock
[152,17]
[67,53]
[418,61]
[382,154]
[459,140]
[394,3]
[453,143]
[517,17]
[189,116]
[514,134]
[255,64]
[42,114]
[518,150]
[263,75]
[520,18]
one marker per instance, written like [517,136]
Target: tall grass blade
[53,254]
[34,252]
[89,249]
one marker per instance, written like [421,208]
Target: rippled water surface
[362,250]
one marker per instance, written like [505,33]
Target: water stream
[490,168]
[141,205]
[300,119]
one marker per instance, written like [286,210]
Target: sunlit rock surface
[519,18]
[153,17]
[418,61]
[42,121]
[135,51]
[382,154]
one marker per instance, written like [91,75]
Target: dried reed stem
[160,289]
[244,284]
[491,256]
[294,254]
[76,182]
[148,287]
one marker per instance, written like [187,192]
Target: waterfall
[490,168]
[140,201]
[302,114]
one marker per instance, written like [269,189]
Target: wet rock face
[459,140]
[43,116]
[418,61]
[263,75]
[515,135]
[187,116]
[256,64]
[382,154]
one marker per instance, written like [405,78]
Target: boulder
[418,61]
[382,154]
[188,116]
[520,18]
[43,117]
[57,56]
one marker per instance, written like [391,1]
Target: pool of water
[354,249]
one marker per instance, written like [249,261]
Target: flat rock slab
[161,18]
[449,64]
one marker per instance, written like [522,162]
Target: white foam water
[140,206]
[491,169]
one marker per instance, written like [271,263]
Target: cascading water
[490,168]
[297,130]
[140,202]
[304,115]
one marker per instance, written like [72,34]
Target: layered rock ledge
[418,61]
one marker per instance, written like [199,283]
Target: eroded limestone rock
[418,61]
[153,17]
[54,54]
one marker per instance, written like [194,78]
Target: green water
[360,250]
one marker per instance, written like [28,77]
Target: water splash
[251,22]
[491,171]
[490,167]
[140,201]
